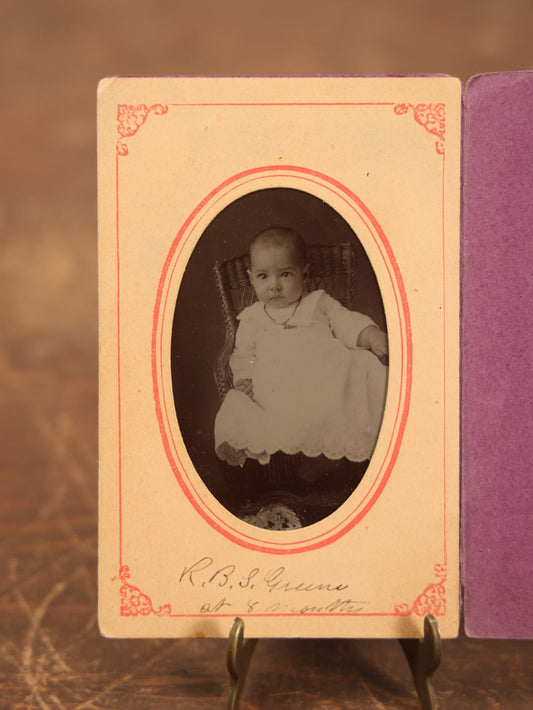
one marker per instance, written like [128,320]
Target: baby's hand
[378,342]
[374,339]
[244,386]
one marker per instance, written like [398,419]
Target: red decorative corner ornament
[431,601]
[131,118]
[133,602]
[431,116]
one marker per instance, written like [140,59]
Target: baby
[306,376]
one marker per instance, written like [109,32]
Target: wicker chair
[332,267]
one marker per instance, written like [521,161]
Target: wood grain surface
[53,53]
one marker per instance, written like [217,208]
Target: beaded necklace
[284,324]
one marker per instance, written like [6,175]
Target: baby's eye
[260,276]
[286,273]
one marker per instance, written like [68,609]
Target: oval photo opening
[279,359]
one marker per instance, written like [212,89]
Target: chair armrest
[222,370]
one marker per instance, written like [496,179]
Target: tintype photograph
[299,375]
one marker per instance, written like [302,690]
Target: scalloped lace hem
[235,453]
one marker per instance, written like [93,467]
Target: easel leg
[424,659]
[238,658]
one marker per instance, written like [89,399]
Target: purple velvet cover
[497,396]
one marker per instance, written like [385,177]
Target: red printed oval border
[285,542]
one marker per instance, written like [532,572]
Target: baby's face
[276,275]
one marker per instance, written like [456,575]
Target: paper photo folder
[496,182]
[496,347]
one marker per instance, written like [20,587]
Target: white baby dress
[314,390]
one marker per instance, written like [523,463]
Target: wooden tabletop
[52,656]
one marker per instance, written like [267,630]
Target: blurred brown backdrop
[53,52]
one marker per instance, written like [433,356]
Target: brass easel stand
[423,656]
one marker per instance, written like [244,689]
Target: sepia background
[53,52]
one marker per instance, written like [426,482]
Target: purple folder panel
[497,396]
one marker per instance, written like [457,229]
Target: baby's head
[278,266]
